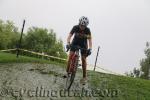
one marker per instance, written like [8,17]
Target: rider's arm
[69,38]
[71,34]
[90,43]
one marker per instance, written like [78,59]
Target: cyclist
[82,38]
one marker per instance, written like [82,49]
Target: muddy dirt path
[34,81]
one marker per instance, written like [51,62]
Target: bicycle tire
[70,78]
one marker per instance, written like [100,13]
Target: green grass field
[11,58]
[126,88]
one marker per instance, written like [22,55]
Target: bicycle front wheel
[71,76]
[69,81]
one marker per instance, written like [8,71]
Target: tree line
[144,70]
[35,39]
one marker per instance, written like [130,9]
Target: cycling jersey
[80,36]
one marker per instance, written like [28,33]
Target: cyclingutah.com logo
[44,92]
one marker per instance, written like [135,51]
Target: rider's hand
[68,46]
[89,51]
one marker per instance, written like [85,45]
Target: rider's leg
[68,64]
[84,65]
[69,60]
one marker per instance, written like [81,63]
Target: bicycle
[74,64]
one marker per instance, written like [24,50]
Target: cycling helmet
[84,21]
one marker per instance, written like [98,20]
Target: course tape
[8,50]
[109,71]
[42,54]
[37,53]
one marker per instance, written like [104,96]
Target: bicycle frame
[74,61]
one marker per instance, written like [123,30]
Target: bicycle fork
[74,62]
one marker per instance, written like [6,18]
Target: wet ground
[34,81]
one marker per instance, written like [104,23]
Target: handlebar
[75,47]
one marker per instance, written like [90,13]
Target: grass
[128,88]
[11,58]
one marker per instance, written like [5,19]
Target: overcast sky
[120,27]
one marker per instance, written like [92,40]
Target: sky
[120,27]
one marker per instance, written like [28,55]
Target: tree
[9,35]
[42,40]
[145,63]
[58,49]
[135,73]
[36,39]
[129,74]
